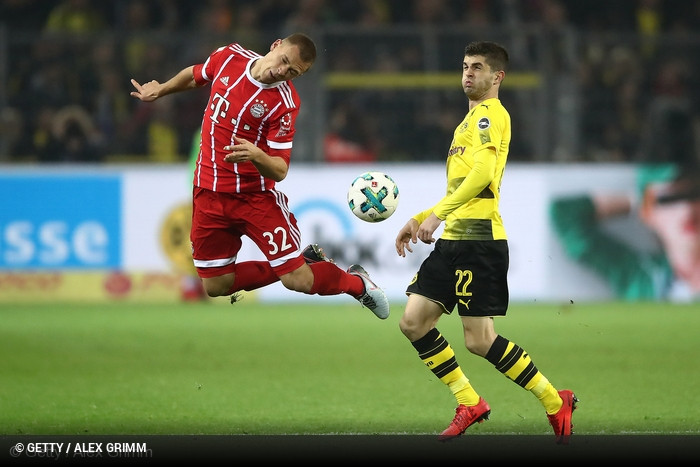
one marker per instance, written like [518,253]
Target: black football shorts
[469,274]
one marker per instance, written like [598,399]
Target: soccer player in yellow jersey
[468,265]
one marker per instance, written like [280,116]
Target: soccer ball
[373,196]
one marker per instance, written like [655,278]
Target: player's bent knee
[217,286]
[299,280]
[411,328]
[214,291]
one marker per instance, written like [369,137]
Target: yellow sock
[437,354]
[463,391]
[548,395]
[512,360]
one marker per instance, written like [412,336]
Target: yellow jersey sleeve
[475,165]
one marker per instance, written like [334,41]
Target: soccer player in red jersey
[246,143]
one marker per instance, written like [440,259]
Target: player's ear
[275,44]
[499,77]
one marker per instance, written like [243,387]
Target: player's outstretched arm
[153,90]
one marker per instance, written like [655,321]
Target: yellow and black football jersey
[475,165]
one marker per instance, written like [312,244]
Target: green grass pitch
[330,367]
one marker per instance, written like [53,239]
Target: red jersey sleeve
[205,72]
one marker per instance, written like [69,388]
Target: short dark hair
[307,48]
[496,55]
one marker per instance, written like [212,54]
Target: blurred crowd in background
[594,80]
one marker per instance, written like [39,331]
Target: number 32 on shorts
[274,246]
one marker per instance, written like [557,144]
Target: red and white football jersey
[263,114]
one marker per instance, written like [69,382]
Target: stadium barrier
[122,232]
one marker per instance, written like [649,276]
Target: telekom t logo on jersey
[219,107]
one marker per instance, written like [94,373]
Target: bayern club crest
[258,109]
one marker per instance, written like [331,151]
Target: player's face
[282,63]
[477,77]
